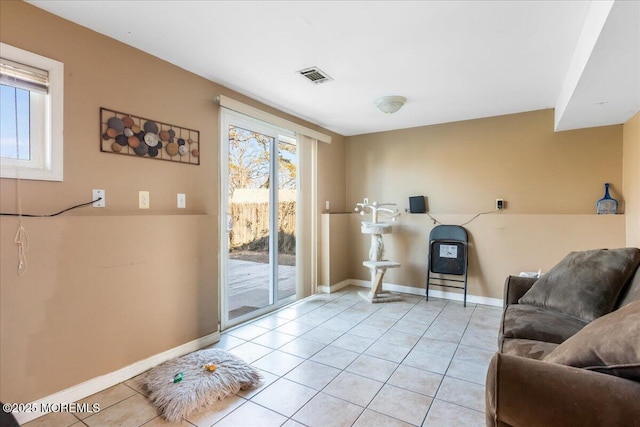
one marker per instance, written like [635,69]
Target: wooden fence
[251,223]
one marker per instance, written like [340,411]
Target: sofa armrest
[515,287]
[527,392]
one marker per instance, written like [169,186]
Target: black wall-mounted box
[417,205]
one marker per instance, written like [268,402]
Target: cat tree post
[376,264]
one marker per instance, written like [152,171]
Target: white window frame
[46,128]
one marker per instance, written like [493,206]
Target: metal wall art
[122,133]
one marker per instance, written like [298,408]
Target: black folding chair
[448,255]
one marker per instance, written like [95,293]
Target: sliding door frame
[232,118]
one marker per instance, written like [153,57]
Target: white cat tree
[376,263]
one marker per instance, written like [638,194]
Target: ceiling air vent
[315,75]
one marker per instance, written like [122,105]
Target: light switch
[182,200]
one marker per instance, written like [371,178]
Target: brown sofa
[569,345]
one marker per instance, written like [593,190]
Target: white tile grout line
[362,353]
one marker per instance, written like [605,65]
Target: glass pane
[249,286]
[8,115]
[287,185]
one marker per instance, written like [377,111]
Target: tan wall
[331,175]
[108,287]
[463,167]
[499,245]
[631,179]
[102,292]
[550,182]
[334,248]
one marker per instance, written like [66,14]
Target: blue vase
[607,205]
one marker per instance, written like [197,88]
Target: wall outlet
[143,200]
[99,194]
[499,204]
[182,200]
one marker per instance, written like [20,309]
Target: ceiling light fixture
[390,104]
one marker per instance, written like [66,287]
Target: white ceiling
[452,60]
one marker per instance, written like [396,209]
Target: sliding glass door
[259,198]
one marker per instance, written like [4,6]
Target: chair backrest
[449,233]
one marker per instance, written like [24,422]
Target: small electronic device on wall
[417,204]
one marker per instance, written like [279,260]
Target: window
[31,113]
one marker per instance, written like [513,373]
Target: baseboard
[474,299]
[335,287]
[95,385]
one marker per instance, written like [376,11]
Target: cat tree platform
[376,294]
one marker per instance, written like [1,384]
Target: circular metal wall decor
[131,135]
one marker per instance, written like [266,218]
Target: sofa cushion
[632,292]
[610,344]
[585,285]
[538,324]
[527,348]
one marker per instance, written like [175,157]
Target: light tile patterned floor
[336,360]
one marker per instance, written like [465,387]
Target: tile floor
[336,360]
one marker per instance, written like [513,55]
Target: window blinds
[23,76]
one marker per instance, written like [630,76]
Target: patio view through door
[259,201]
